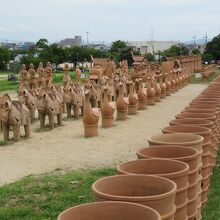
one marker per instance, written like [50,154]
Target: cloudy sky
[108,20]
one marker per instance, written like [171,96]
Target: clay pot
[107,111]
[186,154]
[171,169]
[132,100]
[150,93]
[90,118]
[157,90]
[109,211]
[153,191]
[121,104]
[142,96]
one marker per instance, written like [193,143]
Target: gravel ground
[66,148]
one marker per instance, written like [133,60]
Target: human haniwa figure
[66,77]
[41,76]
[78,74]
[23,76]
[32,77]
[48,73]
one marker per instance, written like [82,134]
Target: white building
[151,46]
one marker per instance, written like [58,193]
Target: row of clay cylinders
[174,146]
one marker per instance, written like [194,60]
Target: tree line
[43,52]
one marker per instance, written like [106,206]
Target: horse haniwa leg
[16,132]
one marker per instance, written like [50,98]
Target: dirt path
[66,148]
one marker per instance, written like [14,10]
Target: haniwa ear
[7,97]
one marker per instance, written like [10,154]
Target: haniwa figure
[78,74]
[32,77]
[48,73]
[66,77]
[24,76]
[41,76]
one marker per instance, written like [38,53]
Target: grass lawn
[195,80]
[45,196]
[6,85]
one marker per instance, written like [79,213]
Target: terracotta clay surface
[174,170]
[189,129]
[14,114]
[90,118]
[109,211]
[153,191]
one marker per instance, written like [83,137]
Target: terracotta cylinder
[132,109]
[122,115]
[150,93]
[109,211]
[107,121]
[90,130]
[190,129]
[142,105]
[192,140]
[199,122]
[132,100]
[153,191]
[205,116]
[171,169]
[186,154]
[209,111]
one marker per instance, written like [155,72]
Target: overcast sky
[109,20]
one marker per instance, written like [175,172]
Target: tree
[207,57]
[196,51]
[176,50]
[120,51]
[4,58]
[118,46]
[42,43]
[213,47]
[150,57]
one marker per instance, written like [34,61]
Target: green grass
[212,211]
[195,80]
[58,76]
[8,85]
[6,72]
[44,197]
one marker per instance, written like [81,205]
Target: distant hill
[198,41]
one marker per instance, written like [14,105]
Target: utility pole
[152,39]
[206,38]
[194,41]
[87,36]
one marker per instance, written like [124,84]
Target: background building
[151,46]
[70,42]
